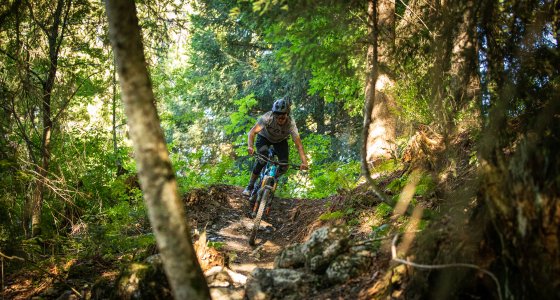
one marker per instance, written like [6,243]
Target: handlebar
[265,158]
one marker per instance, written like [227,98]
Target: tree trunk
[556,22]
[442,52]
[465,79]
[120,168]
[372,67]
[371,79]
[455,67]
[55,36]
[155,172]
[319,113]
[381,134]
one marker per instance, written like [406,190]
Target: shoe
[247,192]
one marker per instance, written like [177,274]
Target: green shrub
[331,215]
[383,210]
[425,186]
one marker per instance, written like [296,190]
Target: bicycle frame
[263,193]
[267,178]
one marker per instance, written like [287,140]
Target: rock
[225,284]
[218,277]
[68,295]
[224,277]
[291,257]
[269,284]
[323,246]
[237,279]
[155,260]
[300,268]
[227,293]
[143,281]
[348,266]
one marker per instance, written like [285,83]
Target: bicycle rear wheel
[257,221]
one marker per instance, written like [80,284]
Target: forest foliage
[484,70]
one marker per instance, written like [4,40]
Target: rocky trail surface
[221,213]
[295,255]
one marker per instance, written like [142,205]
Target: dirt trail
[224,213]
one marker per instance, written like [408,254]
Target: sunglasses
[281,114]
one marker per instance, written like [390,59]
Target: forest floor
[219,216]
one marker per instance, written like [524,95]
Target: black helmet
[281,106]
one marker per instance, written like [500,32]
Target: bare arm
[299,146]
[251,138]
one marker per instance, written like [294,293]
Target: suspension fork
[260,192]
[265,183]
[271,195]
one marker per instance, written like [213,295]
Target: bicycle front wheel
[257,221]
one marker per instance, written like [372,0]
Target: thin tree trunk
[120,169]
[556,22]
[54,39]
[371,79]
[156,175]
[319,114]
[371,76]
[381,134]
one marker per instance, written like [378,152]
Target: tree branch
[445,266]
[11,257]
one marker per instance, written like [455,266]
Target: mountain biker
[273,128]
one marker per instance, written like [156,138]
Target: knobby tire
[257,221]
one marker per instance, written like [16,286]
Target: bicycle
[263,193]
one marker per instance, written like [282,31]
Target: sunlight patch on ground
[110,274]
[249,267]
[368,221]
[264,224]
[231,234]
[272,247]
[241,245]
